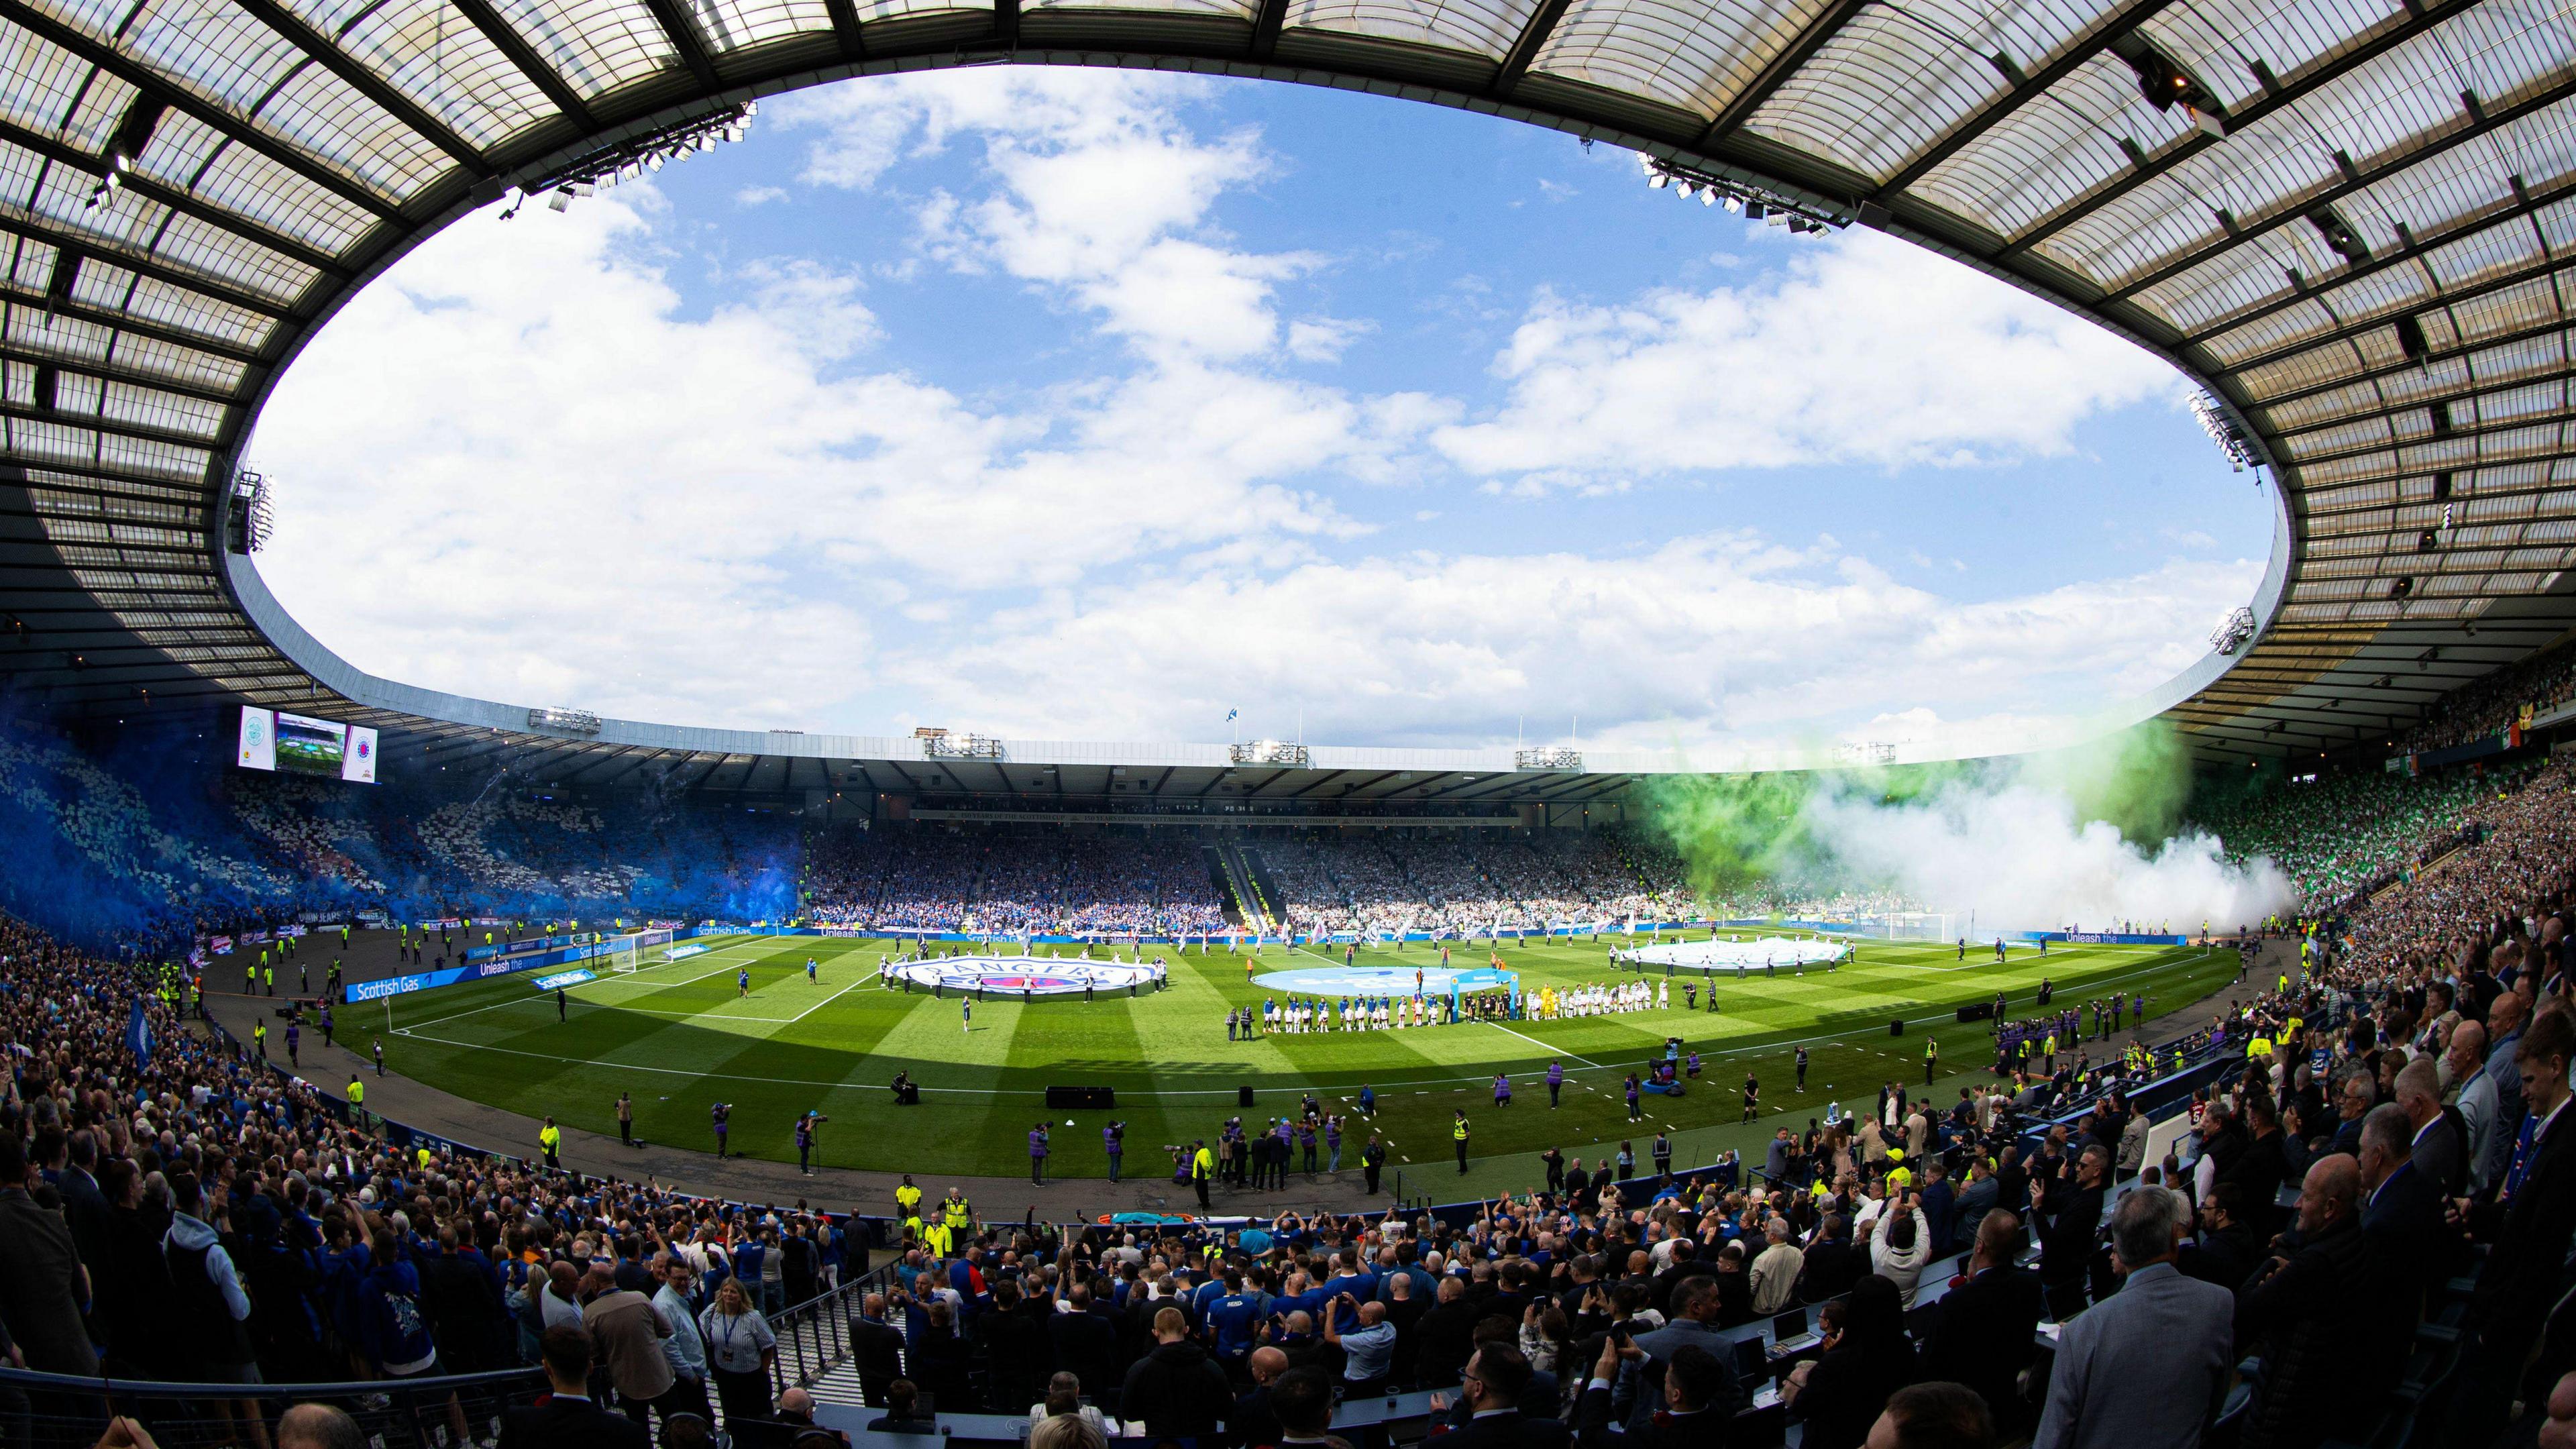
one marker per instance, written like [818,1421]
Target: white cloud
[1707,637]
[1324,339]
[520,466]
[759,195]
[1103,196]
[1863,350]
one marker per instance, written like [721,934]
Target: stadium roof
[2342,217]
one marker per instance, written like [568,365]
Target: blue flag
[138,1034]
[1229,714]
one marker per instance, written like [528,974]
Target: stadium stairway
[1223,879]
[839,1385]
[1256,911]
[1265,881]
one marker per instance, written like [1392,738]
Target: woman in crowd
[740,1349]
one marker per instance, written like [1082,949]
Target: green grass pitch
[679,1038]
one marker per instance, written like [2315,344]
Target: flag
[1229,716]
[138,1034]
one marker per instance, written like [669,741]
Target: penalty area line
[828,1000]
[1534,1041]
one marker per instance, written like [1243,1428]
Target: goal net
[631,952]
[1920,926]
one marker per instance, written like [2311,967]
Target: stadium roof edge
[2345,225]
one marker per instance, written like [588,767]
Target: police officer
[550,1139]
[1931,1059]
[1458,1137]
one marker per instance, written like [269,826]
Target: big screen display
[295,744]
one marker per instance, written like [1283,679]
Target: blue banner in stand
[404,985]
[2105,938]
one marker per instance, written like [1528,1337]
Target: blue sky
[1091,405]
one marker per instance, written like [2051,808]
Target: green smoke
[1738,833]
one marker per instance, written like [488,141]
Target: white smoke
[2019,857]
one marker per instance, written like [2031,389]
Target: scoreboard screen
[295,744]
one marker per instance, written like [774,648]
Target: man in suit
[2072,1221]
[2401,1212]
[877,1347]
[2148,1367]
[2260,1168]
[1693,1325]
[2319,1317]
[2473,1096]
[566,1418]
[2436,1150]
[2225,1252]
[2528,1220]
[1691,1412]
[1833,1264]
[42,1281]
[1496,1375]
[1984,1336]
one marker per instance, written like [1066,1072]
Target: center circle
[1025,975]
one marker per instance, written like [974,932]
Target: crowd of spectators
[196,1216]
[1012,883]
[2487,705]
[1468,883]
[2337,834]
[193,1215]
[189,1214]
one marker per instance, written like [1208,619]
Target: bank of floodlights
[2228,431]
[958,745]
[562,720]
[2233,632]
[628,159]
[1753,203]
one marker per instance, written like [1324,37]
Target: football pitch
[680,1037]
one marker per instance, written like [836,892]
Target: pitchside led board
[294,744]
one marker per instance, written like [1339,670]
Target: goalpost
[1921,926]
[624,955]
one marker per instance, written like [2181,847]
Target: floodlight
[1686,190]
[1708,196]
[559,201]
[117,161]
[1734,203]
[1660,181]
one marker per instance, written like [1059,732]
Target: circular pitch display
[1727,955]
[1021,975]
[1359,981]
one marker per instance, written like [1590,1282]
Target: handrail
[161,1388]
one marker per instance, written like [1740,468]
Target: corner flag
[138,1034]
